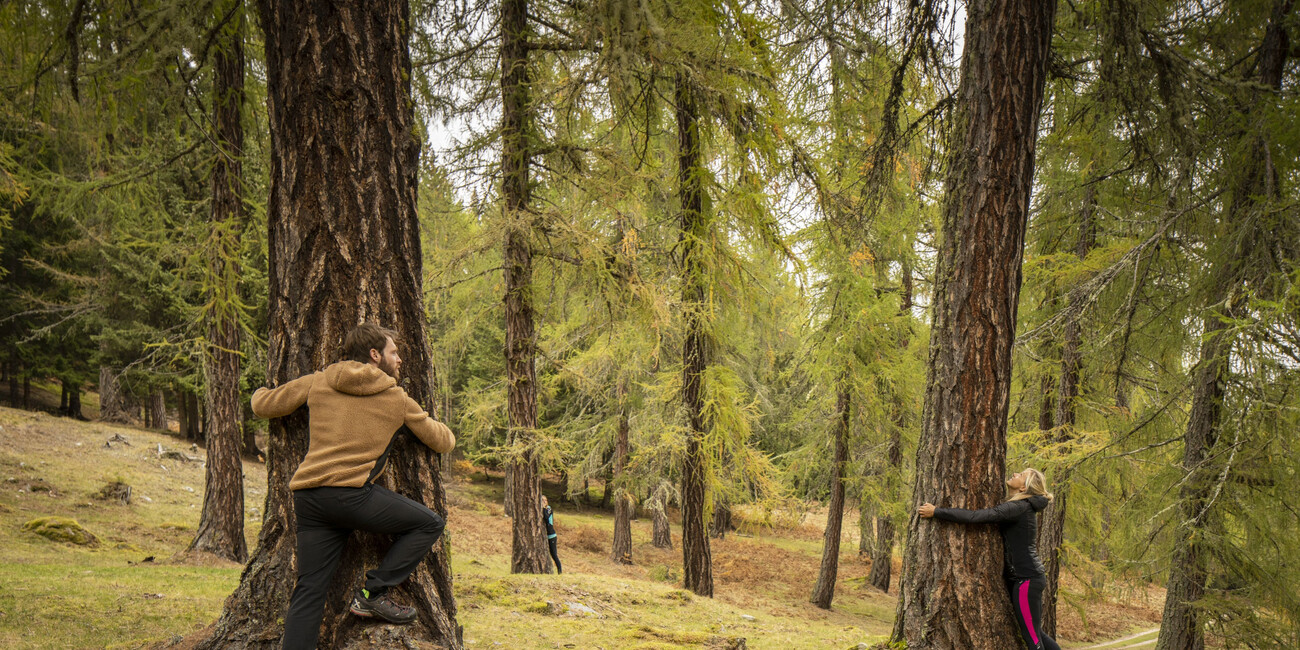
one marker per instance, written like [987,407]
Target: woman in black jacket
[1017,520]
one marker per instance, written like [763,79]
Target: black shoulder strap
[383,458]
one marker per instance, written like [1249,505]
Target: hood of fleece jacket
[356,378]
[1038,502]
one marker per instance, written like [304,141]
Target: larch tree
[1241,243]
[1051,533]
[528,552]
[344,248]
[697,558]
[951,595]
[221,525]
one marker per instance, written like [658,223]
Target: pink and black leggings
[1026,605]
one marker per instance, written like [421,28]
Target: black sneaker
[381,607]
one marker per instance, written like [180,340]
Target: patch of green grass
[71,606]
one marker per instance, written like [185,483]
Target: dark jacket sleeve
[1005,511]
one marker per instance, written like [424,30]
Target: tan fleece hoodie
[355,411]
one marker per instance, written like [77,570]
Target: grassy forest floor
[135,587]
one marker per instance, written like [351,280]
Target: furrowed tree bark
[1181,626]
[1052,531]
[882,557]
[621,550]
[343,249]
[952,594]
[112,403]
[528,552]
[697,558]
[158,410]
[221,525]
[824,591]
[661,533]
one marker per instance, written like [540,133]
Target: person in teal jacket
[548,517]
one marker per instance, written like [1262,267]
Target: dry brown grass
[771,566]
[588,539]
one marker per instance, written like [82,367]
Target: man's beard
[391,370]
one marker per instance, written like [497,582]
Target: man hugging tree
[355,411]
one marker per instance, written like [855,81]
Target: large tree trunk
[883,556]
[952,594]
[221,525]
[344,248]
[528,552]
[112,402]
[697,558]
[824,590]
[622,547]
[1052,531]
[1181,627]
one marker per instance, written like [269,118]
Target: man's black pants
[326,517]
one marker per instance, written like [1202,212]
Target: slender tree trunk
[622,547]
[221,525]
[27,391]
[112,403]
[528,552]
[882,558]
[1052,531]
[661,532]
[182,413]
[508,489]
[697,558]
[13,384]
[605,491]
[63,397]
[866,527]
[952,594]
[1181,627]
[158,409]
[1047,401]
[344,248]
[192,430]
[824,591]
[74,402]
[721,522]
[248,446]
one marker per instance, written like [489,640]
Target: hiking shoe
[381,607]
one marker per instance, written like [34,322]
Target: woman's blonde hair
[1035,485]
